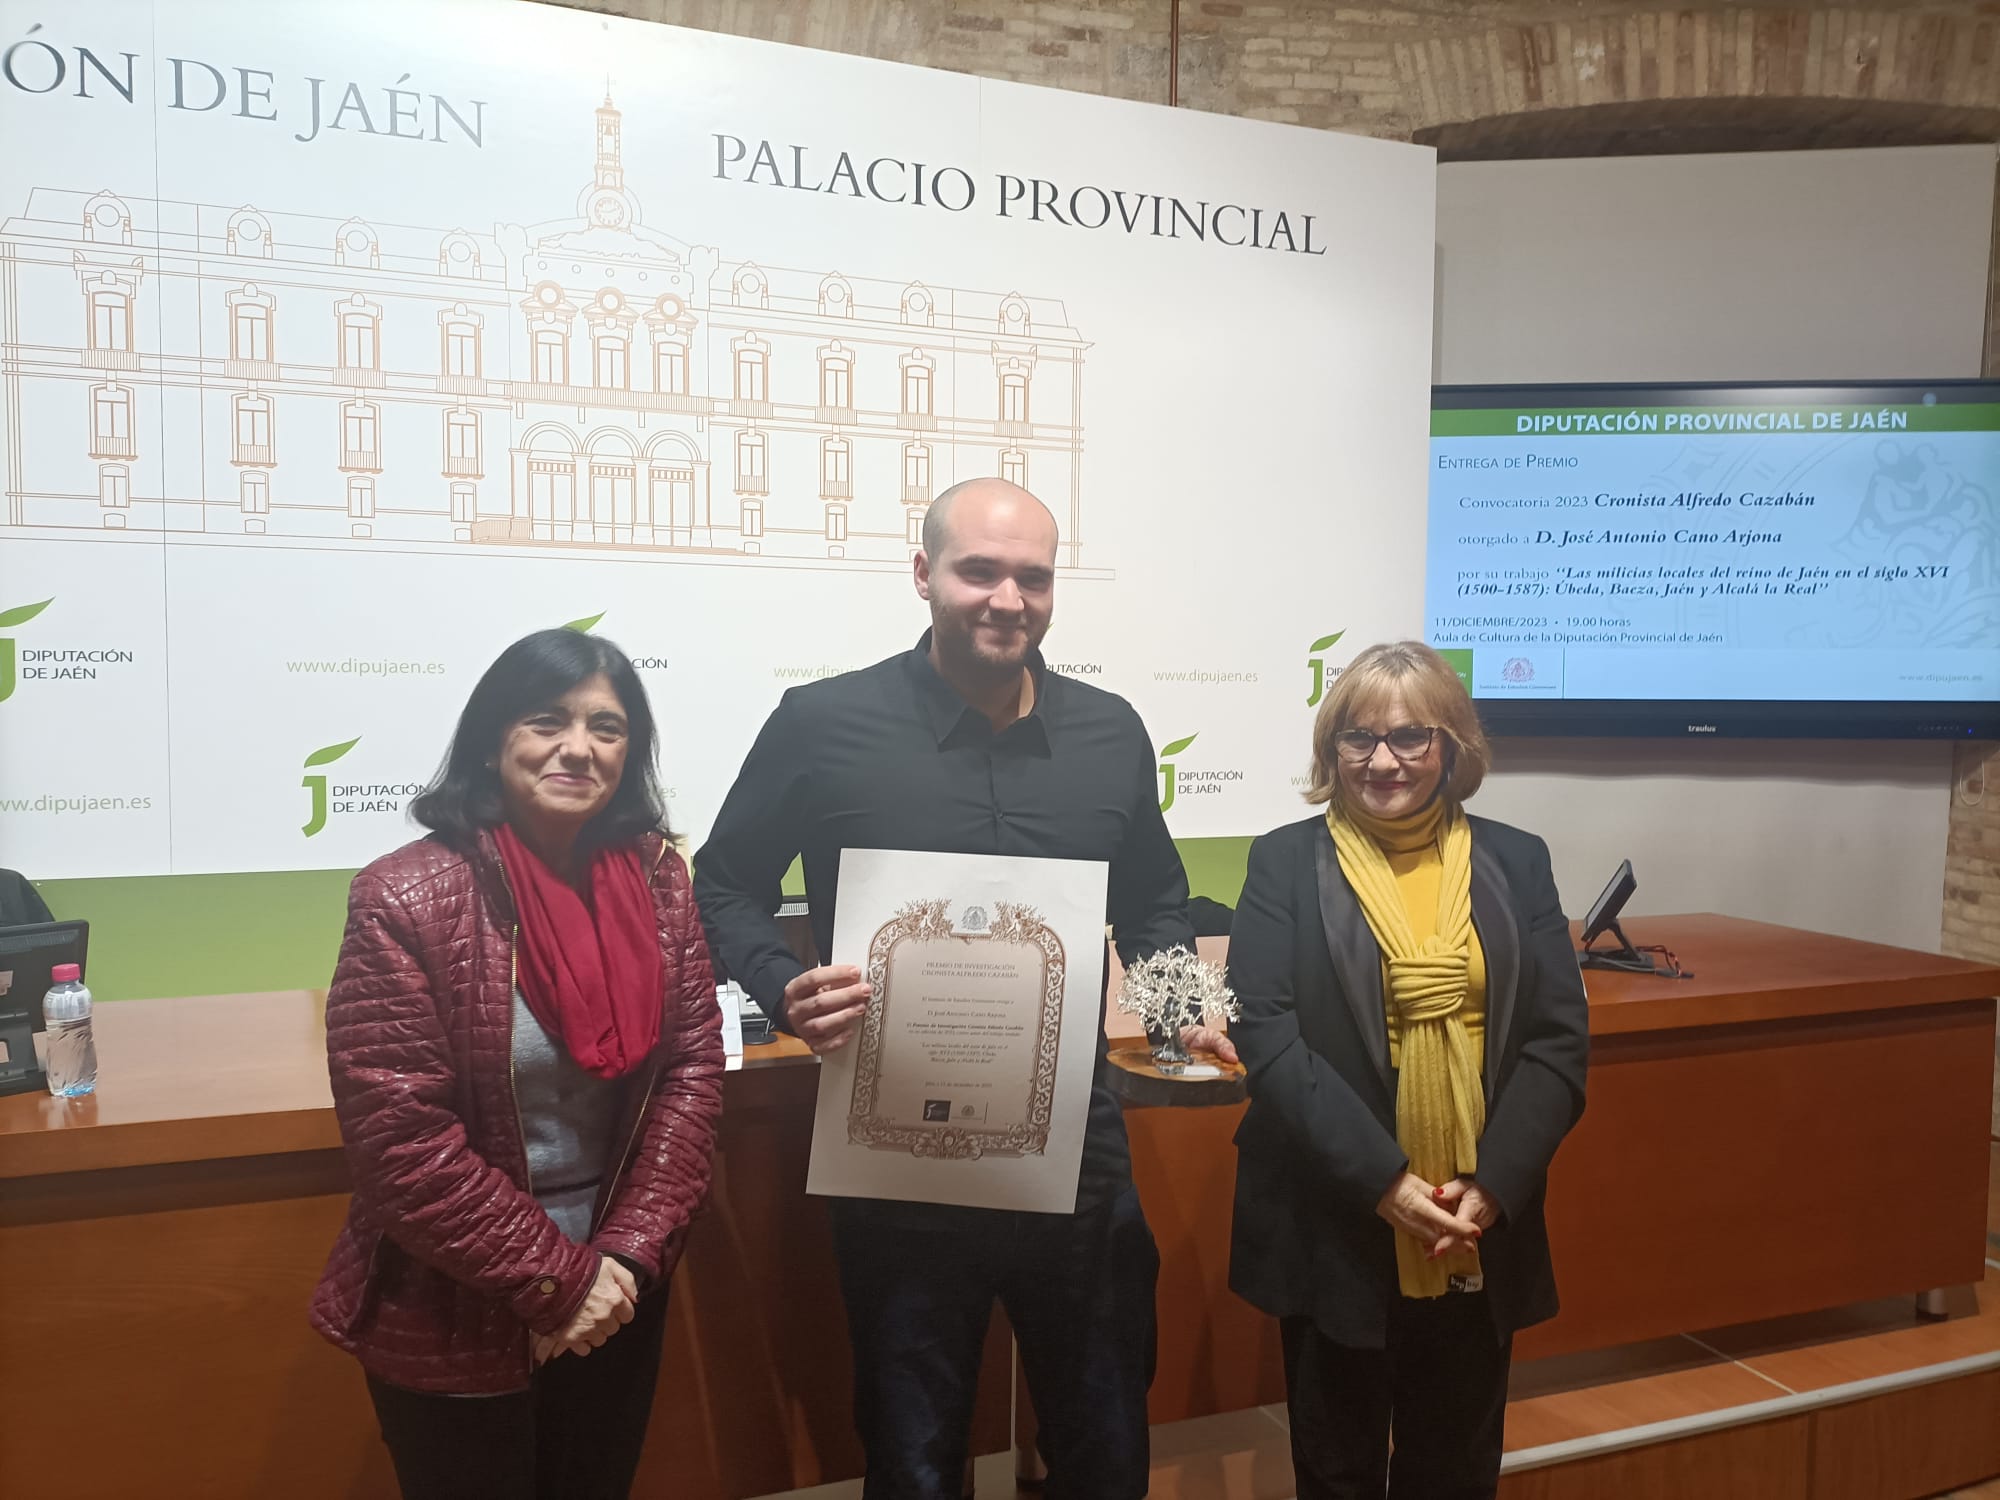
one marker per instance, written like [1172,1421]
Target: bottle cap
[66,973]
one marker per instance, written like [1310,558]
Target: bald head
[988,572]
[984,501]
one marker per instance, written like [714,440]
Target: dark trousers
[574,1434]
[1440,1386]
[1078,1289]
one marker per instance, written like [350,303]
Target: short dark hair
[463,799]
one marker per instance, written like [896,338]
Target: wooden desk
[1802,1125]
[159,1242]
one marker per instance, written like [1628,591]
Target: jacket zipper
[645,1103]
[513,1092]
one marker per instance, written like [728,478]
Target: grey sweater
[567,1116]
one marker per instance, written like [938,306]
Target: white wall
[1826,265]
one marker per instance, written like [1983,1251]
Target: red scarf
[591,973]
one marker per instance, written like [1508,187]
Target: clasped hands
[610,1304]
[1443,1219]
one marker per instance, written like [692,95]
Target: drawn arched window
[111,422]
[836,469]
[916,473]
[355,244]
[836,378]
[550,318]
[360,498]
[1014,467]
[1014,314]
[836,523]
[360,335]
[751,475]
[464,503]
[551,479]
[114,487]
[458,255]
[251,422]
[110,317]
[611,363]
[250,330]
[611,318]
[1013,395]
[254,492]
[552,355]
[461,445]
[670,365]
[750,288]
[249,233]
[836,297]
[614,488]
[461,354]
[107,220]
[752,372]
[916,390]
[919,306]
[360,435]
[671,326]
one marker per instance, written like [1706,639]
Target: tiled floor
[1245,1455]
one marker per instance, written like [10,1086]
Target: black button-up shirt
[891,757]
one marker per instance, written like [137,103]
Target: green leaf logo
[331,753]
[1326,641]
[585,625]
[24,614]
[1170,751]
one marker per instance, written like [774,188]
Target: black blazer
[1317,1147]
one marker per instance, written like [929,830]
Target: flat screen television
[1753,560]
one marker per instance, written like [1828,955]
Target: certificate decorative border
[921,921]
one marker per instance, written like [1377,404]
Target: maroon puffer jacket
[447,1262]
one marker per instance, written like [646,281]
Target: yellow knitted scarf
[1440,1105]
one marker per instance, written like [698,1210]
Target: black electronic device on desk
[1625,958]
[28,955]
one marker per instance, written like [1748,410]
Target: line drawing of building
[260,377]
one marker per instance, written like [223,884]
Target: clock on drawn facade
[609,210]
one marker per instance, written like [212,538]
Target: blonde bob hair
[1433,695]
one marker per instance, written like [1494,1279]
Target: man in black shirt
[967,744]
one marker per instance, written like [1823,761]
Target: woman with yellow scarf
[1416,1037]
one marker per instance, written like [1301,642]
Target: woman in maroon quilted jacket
[527,1067]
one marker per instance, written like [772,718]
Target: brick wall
[1493,78]
[1972,846]
[1400,70]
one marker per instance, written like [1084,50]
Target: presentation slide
[1730,548]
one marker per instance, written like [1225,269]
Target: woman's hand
[609,1305]
[1468,1200]
[1415,1207]
[1209,1039]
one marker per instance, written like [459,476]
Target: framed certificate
[969,1080]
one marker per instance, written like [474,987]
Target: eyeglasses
[1405,742]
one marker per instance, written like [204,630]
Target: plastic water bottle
[72,1066]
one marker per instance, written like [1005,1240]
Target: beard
[959,643]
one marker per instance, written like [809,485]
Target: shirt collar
[946,711]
